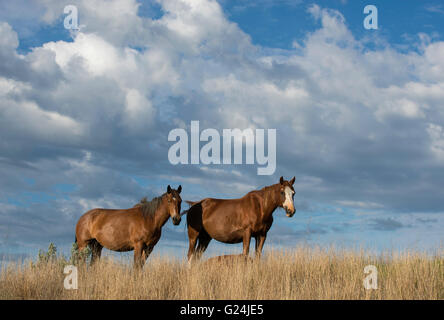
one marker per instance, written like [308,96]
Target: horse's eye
[282,193]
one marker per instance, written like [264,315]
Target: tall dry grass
[302,273]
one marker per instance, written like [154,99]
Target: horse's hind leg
[195,227]
[192,238]
[204,241]
[82,243]
[96,250]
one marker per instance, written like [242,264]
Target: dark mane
[266,188]
[148,208]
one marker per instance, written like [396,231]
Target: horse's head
[174,201]
[286,196]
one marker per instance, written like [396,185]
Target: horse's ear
[281,180]
[179,189]
[169,189]
[292,180]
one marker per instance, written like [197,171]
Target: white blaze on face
[288,203]
[175,208]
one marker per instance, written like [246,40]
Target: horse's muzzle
[290,213]
[176,220]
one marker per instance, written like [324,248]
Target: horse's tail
[191,203]
[75,239]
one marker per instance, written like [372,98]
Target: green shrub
[78,257]
[48,256]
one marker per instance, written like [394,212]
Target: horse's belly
[121,249]
[229,240]
[116,241]
[225,226]
[121,246]
[230,237]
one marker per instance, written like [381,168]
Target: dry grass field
[302,273]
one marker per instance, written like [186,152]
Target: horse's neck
[270,201]
[161,216]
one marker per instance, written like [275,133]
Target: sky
[85,115]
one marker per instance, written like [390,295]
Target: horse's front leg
[147,251]
[138,259]
[246,240]
[260,240]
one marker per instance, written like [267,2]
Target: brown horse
[138,228]
[237,220]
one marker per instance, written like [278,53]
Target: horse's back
[98,217]
[212,203]
[239,206]
[208,207]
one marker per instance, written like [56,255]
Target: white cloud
[8,39]
[436,133]
[200,24]
[99,56]
[139,111]
[31,120]
[360,204]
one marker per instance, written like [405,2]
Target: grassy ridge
[303,273]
